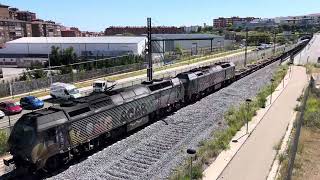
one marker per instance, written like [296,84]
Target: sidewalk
[251,157]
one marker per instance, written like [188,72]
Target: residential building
[4,12]
[25,16]
[71,32]
[41,28]
[135,30]
[255,24]
[12,29]
[191,29]
[222,22]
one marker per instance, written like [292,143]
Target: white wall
[42,48]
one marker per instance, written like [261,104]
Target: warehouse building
[17,50]
[168,42]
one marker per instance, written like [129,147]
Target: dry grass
[307,164]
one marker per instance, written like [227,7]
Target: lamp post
[49,63]
[272,80]
[9,123]
[248,101]
[191,152]
[246,48]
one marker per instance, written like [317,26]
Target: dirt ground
[307,164]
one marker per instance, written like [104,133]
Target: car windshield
[73,91]
[24,132]
[99,85]
[12,104]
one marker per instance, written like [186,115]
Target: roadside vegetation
[235,118]
[306,164]
[3,142]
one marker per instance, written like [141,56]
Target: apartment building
[222,22]
[138,30]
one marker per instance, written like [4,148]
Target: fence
[299,122]
[238,60]
[14,88]
[4,124]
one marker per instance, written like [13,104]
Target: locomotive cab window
[24,132]
[225,65]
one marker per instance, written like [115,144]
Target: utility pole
[246,48]
[274,42]
[149,50]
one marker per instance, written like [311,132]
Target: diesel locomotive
[46,138]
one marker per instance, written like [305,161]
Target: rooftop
[184,36]
[84,40]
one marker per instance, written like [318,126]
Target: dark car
[10,108]
[31,102]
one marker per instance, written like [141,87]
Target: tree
[68,56]
[55,56]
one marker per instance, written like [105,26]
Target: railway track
[139,161]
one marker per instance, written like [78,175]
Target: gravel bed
[155,151]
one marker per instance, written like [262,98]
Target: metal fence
[295,141]
[252,56]
[15,88]
[19,87]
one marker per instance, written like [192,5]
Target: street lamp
[9,122]
[49,63]
[272,80]
[191,152]
[248,101]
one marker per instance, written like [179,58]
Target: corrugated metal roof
[184,36]
[79,40]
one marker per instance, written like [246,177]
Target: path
[254,159]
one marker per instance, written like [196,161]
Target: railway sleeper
[138,165]
[130,167]
[138,161]
[125,171]
[148,154]
[118,174]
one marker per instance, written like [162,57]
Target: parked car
[64,91]
[10,107]
[2,114]
[31,102]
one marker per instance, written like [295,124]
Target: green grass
[235,118]
[312,111]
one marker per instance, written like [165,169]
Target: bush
[3,142]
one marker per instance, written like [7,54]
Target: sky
[96,15]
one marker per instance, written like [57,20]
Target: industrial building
[169,42]
[17,50]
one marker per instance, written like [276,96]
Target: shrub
[3,142]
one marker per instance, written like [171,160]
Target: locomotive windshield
[24,132]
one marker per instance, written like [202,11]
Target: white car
[64,91]
[2,114]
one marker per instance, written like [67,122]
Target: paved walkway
[255,156]
[311,52]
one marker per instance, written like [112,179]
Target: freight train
[46,138]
